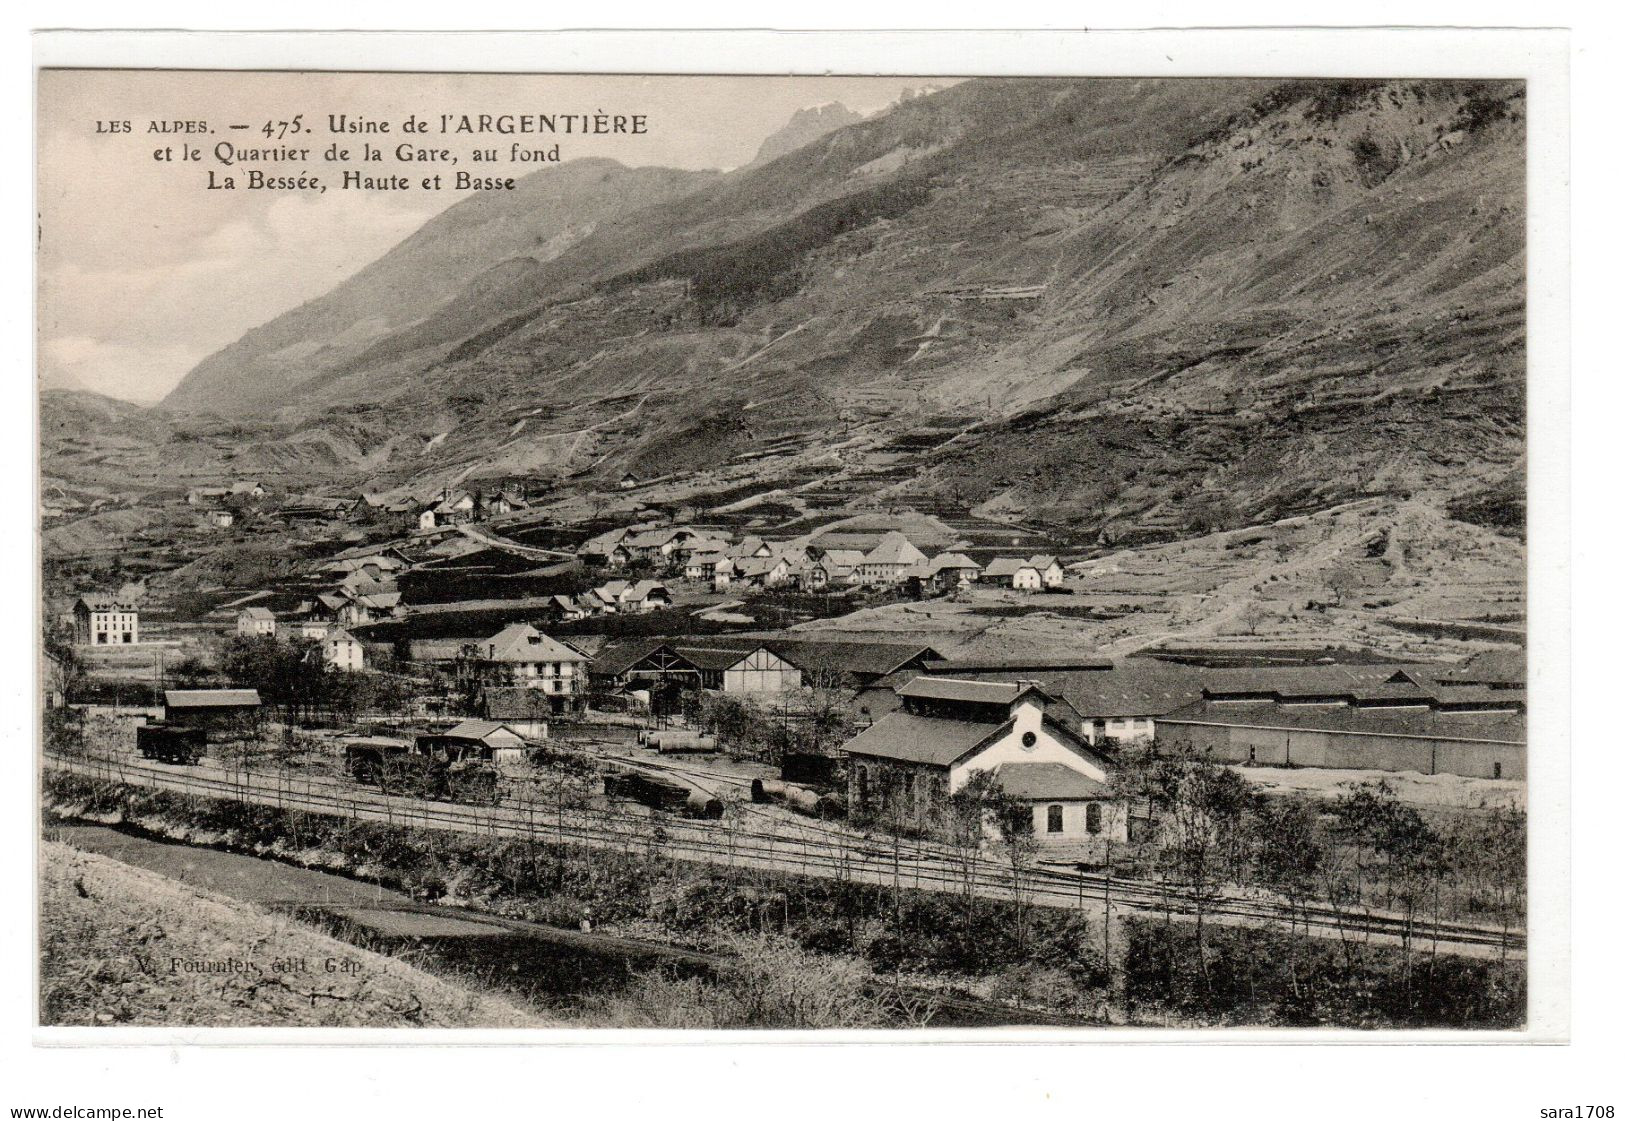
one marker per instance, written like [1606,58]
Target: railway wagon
[396,768]
[662,794]
[170,744]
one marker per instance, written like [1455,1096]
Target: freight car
[396,767]
[169,744]
[664,794]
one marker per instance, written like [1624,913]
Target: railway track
[831,854]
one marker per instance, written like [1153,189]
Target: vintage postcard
[702,551]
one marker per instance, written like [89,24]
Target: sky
[142,272]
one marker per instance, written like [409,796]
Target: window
[1091,817]
[1054,822]
[1498,770]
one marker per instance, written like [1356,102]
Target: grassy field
[124,946]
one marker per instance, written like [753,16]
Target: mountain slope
[1130,307]
[805,126]
[476,244]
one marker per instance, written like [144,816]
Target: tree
[66,673]
[1253,615]
[1200,808]
[292,674]
[1398,843]
[1288,852]
[983,799]
[1342,580]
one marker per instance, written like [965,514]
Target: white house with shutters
[342,650]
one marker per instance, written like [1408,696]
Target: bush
[1267,976]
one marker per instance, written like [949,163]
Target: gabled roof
[476,730]
[104,603]
[1490,727]
[643,589]
[759,566]
[341,636]
[1301,681]
[946,561]
[453,502]
[613,589]
[211,698]
[894,548]
[973,692]
[1041,561]
[380,601]
[1004,566]
[864,658]
[924,739]
[1047,782]
[615,658]
[649,538]
[521,642]
[1136,687]
[748,546]
[717,657]
[842,558]
[603,542]
[256,613]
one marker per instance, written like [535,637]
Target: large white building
[105,621]
[908,764]
[520,655]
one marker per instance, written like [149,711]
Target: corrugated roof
[615,658]
[1047,782]
[923,739]
[716,657]
[211,698]
[1134,688]
[865,658]
[1497,727]
[958,689]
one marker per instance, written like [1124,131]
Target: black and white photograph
[721,552]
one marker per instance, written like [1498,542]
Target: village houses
[887,561]
[1033,574]
[255,621]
